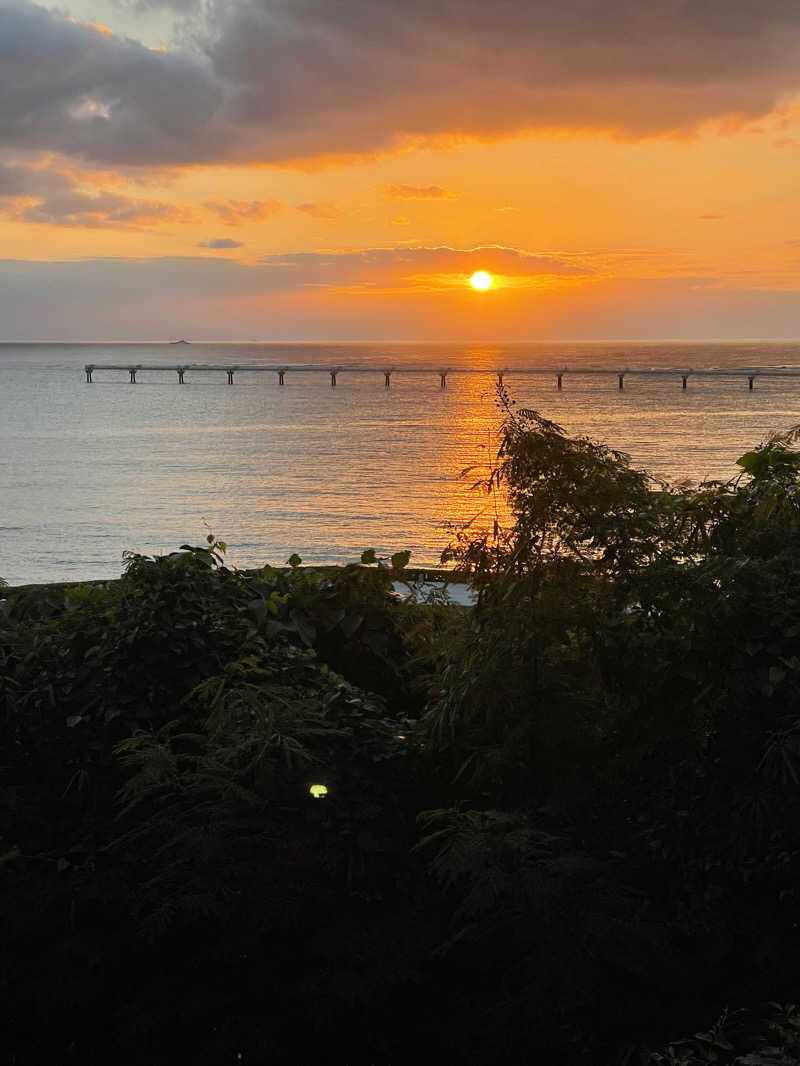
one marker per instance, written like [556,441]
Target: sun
[481,280]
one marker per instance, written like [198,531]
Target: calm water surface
[87,471]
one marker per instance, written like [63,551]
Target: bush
[562,825]
[160,738]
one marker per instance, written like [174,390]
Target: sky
[336,170]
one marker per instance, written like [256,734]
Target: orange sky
[160,175]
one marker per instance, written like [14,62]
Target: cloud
[279,80]
[207,297]
[57,197]
[220,242]
[234,212]
[407,269]
[325,212]
[711,218]
[181,7]
[376,70]
[67,87]
[417,192]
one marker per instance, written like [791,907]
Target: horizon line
[408,343]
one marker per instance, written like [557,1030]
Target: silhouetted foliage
[563,825]
[628,682]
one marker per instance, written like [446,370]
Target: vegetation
[563,825]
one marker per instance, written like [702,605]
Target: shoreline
[429,578]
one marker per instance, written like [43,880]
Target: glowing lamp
[318,791]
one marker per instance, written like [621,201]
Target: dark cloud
[417,192]
[69,87]
[353,75]
[220,242]
[55,197]
[181,7]
[289,79]
[234,212]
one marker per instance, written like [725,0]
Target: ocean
[88,471]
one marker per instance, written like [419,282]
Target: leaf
[294,561]
[276,600]
[304,626]
[130,744]
[258,608]
[400,560]
[350,623]
[203,555]
[75,719]
[369,556]
[768,1056]
[749,462]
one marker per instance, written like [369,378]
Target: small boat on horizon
[181,341]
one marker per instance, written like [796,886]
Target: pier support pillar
[560,381]
[750,381]
[180,375]
[621,381]
[387,379]
[443,379]
[684,379]
[499,377]
[89,374]
[132,372]
[230,376]
[333,379]
[280,377]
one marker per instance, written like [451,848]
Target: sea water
[88,471]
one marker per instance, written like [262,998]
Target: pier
[557,374]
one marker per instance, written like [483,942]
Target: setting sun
[481,280]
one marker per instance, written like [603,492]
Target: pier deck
[558,373]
